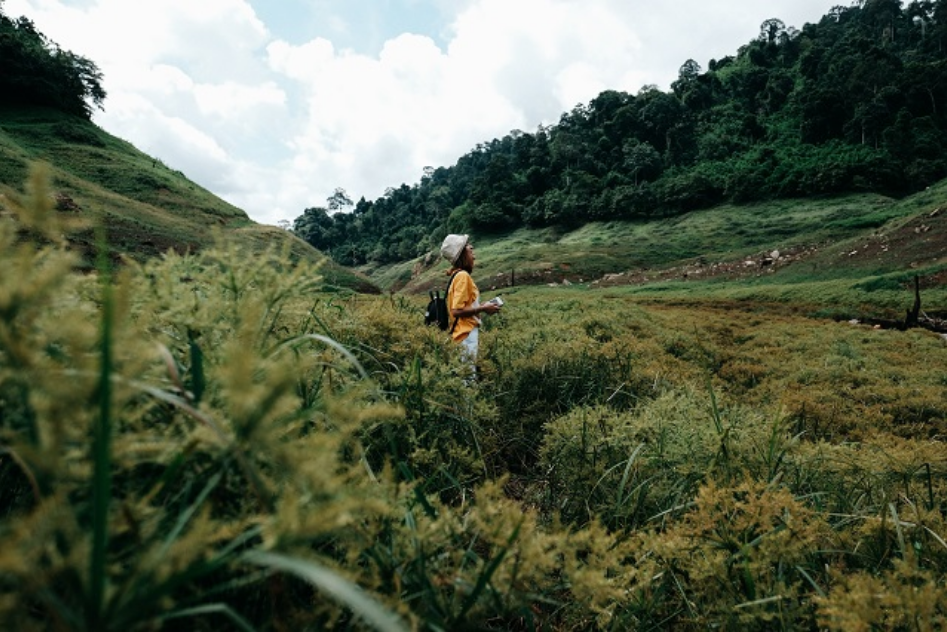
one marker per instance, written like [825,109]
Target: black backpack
[437,311]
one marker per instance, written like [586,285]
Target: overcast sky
[273,104]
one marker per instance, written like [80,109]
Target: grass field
[853,256]
[148,207]
[691,434]
[212,441]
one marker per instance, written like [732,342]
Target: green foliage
[852,103]
[197,431]
[148,208]
[38,73]
[720,252]
[207,440]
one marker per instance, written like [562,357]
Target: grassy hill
[147,206]
[667,442]
[850,256]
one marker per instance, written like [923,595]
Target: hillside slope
[857,244]
[147,207]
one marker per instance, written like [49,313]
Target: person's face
[470,254]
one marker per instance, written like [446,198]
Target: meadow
[148,206]
[212,441]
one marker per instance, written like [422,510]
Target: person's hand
[490,308]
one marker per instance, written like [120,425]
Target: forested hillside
[854,102]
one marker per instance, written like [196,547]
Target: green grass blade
[487,574]
[101,446]
[188,513]
[214,608]
[812,582]
[896,523]
[935,536]
[144,596]
[714,407]
[348,355]
[68,617]
[333,585]
[198,382]
[625,476]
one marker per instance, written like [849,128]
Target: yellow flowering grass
[210,440]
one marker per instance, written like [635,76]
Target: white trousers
[469,345]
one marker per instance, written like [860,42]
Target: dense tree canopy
[37,72]
[854,102]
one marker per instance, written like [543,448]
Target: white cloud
[300,62]
[274,127]
[233,100]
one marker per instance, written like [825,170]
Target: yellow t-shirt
[463,293]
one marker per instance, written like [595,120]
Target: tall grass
[211,441]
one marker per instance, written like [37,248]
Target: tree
[338,200]
[314,226]
[855,101]
[660,113]
[37,72]
[641,159]
[689,71]
[772,31]
[689,88]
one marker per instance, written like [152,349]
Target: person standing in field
[463,297]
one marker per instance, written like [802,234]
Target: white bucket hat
[452,246]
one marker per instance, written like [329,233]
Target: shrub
[209,439]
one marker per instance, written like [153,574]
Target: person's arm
[489,308]
[461,285]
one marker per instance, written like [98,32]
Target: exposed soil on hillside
[915,244]
[919,242]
